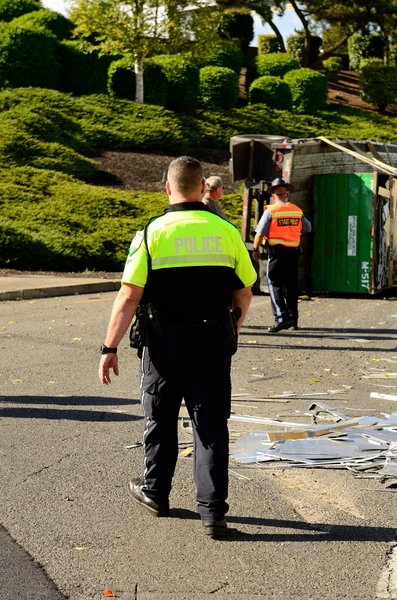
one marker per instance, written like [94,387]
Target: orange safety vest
[286,224]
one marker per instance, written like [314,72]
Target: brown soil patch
[346,91]
[139,171]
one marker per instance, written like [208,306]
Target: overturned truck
[348,190]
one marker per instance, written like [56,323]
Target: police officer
[188,269]
[282,224]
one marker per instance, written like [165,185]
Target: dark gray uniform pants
[282,275]
[184,366]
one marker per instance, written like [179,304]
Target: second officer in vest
[187,270]
[282,224]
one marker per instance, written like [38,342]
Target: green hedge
[219,88]
[237,25]
[272,91]
[277,64]
[10,9]
[333,65]
[183,79]
[56,23]
[28,57]
[121,81]
[81,72]
[364,46]
[296,47]
[226,55]
[309,90]
[371,62]
[378,84]
[268,44]
[51,221]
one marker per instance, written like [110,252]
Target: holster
[139,329]
[229,321]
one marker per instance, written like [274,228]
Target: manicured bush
[308,88]
[121,81]
[226,55]
[364,46]
[272,91]
[10,9]
[378,84]
[237,25]
[296,47]
[371,62]
[277,64]
[268,44]
[28,57]
[183,79]
[333,66]
[393,55]
[218,88]
[82,72]
[59,25]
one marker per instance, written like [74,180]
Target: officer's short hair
[186,174]
[213,183]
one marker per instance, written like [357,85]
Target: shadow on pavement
[306,532]
[27,412]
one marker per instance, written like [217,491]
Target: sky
[286,24]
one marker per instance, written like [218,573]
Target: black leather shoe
[215,529]
[294,326]
[156,510]
[280,326]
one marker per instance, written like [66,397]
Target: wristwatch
[106,350]
[255,249]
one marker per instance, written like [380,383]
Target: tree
[263,8]
[350,16]
[126,27]
[10,9]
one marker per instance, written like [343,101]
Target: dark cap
[278,182]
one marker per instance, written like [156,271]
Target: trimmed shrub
[272,91]
[372,62]
[393,55]
[237,25]
[59,25]
[28,57]
[183,81]
[378,84]
[10,9]
[268,44]
[228,55]
[364,46]
[218,87]
[308,88]
[333,65]
[277,64]
[121,81]
[296,47]
[82,73]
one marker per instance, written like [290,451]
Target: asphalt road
[294,534]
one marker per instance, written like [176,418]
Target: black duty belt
[196,323]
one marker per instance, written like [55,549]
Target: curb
[63,290]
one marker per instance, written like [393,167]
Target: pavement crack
[57,462]
[387,584]
[136,592]
[220,587]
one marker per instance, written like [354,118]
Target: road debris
[366,445]
[383,396]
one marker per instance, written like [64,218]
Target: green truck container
[354,241]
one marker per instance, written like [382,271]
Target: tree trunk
[308,37]
[278,34]
[386,51]
[331,50]
[138,68]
